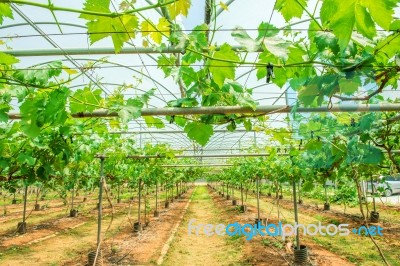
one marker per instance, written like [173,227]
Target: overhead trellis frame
[224,110]
[104,51]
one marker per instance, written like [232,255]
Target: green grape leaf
[291,8]
[381,11]
[248,125]
[145,97]
[280,135]
[152,121]
[121,29]
[54,111]
[4,108]
[156,32]
[339,16]
[326,40]
[32,117]
[166,63]
[179,7]
[132,110]
[199,132]
[85,100]
[7,59]
[266,30]
[307,94]
[183,102]
[367,121]
[349,86]
[364,23]
[313,145]
[389,46]
[196,40]
[40,76]
[247,102]
[241,36]
[222,70]
[96,5]
[278,47]
[5,11]
[395,25]
[26,159]
[188,75]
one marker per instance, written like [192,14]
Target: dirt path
[202,249]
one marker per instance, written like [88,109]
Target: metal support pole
[100,211]
[104,51]
[258,198]
[262,109]
[296,218]
[25,199]
[157,196]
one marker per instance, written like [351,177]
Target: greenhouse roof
[201,54]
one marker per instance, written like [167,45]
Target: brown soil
[129,248]
[275,252]
[48,228]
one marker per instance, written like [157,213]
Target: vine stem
[52,8]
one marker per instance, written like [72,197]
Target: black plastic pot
[73,213]
[374,217]
[301,255]
[137,227]
[263,221]
[243,208]
[92,257]
[21,227]
[234,202]
[327,206]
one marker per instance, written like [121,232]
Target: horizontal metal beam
[262,109]
[138,132]
[194,156]
[196,165]
[102,51]
[201,155]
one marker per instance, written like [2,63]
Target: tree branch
[386,77]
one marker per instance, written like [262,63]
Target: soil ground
[59,240]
